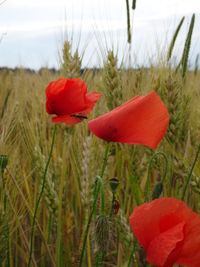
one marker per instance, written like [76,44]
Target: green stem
[132,255]
[40,196]
[102,194]
[50,221]
[96,193]
[128,21]
[97,188]
[190,174]
[149,168]
[134,4]
[4,191]
[59,249]
[49,227]
[100,255]
[104,160]
[135,187]
[111,209]
[5,215]
[99,259]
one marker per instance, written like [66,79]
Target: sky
[33,31]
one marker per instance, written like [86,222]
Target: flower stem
[190,174]
[4,190]
[148,175]
[111,209]
[96,193]
[102,194]
[104,160]
[5,215]
[59,250]
[133,254]
[40,196]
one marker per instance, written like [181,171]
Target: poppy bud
[157,190]
[3,161]
[114,182]
[102,232]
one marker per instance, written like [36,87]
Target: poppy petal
[91,100]
[190,254]
[150,219]
[68,99]
[161,221]
[163,245]
[67,119]
[66,96]
[142,120]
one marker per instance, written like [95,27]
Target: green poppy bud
[114,182]
[157,190]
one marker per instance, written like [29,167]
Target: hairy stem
[40,196]
[190,174]
[96,193]
[6,218]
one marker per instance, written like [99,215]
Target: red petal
[91,100]
[162,246]
[151,220]
[67,119]
[190,252]
[66,96]
[55,86]
[142,120]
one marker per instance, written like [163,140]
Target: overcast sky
[33,31]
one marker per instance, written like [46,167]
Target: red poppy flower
[141,120]
[169,232]
[68,99]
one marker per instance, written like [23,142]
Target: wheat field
[26,135]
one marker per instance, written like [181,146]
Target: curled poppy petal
[65,97]
[141,120]
[169,232]
[165,243]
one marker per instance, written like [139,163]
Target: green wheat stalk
[96,193]
[40,196]
[190,174]
[184,60]
[174,38]
[5,103]
[134,4]
[128,21]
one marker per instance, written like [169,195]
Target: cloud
[34,27]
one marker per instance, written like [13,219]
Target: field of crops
[69,191]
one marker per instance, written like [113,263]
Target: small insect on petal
[79,116]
